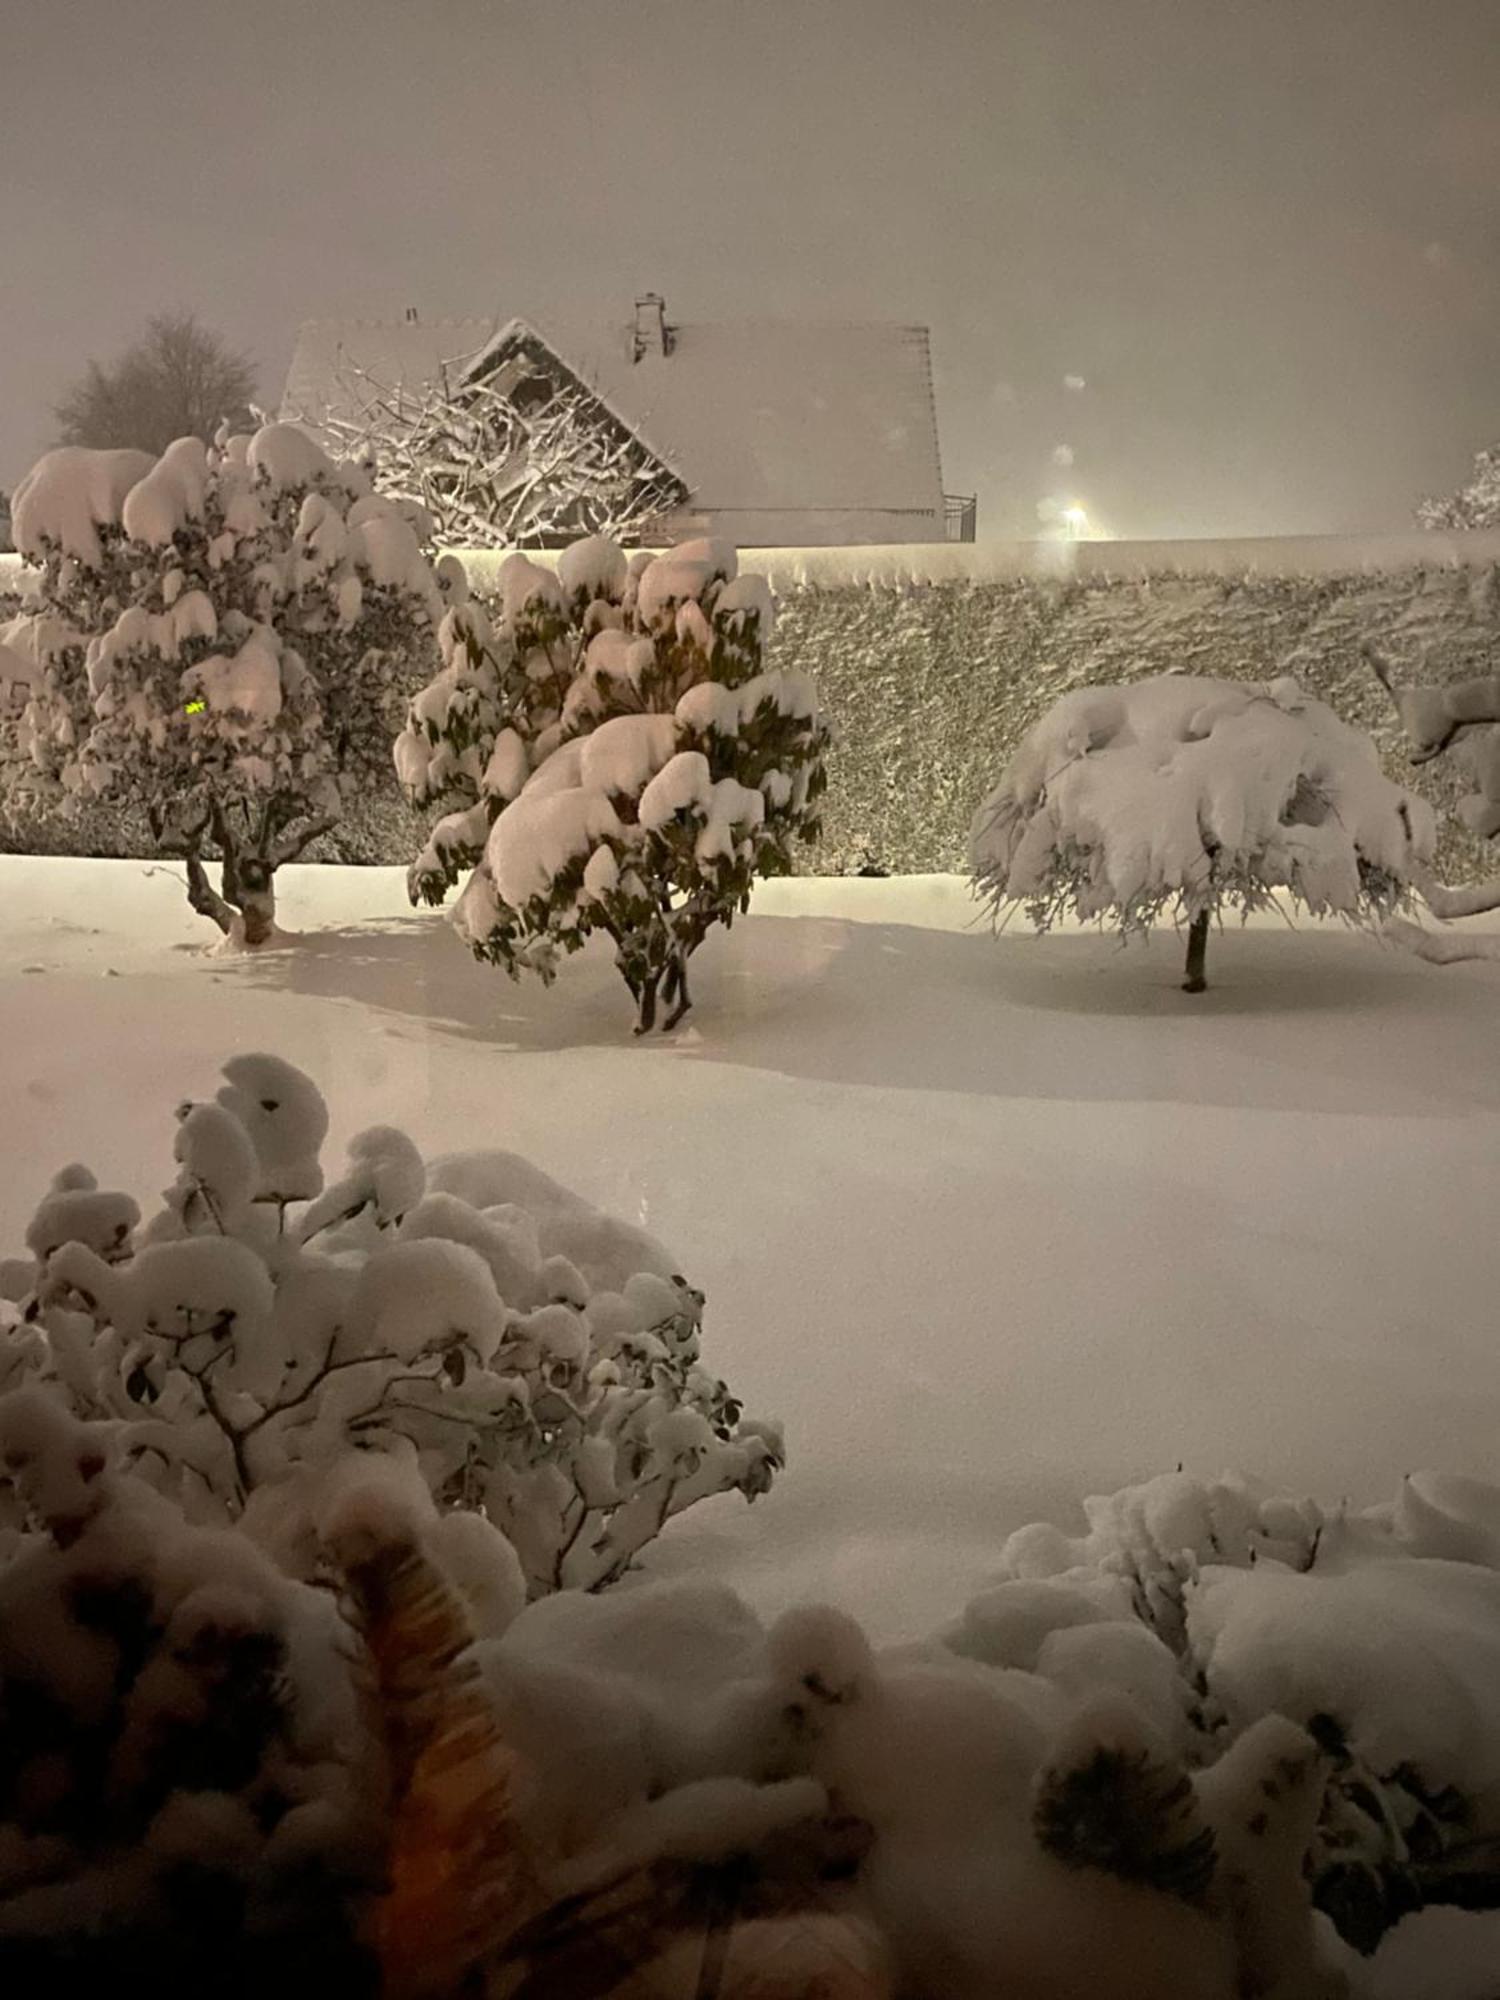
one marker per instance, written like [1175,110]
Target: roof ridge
[539,326]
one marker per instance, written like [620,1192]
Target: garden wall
[934,660]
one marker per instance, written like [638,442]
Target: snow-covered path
[990,1224]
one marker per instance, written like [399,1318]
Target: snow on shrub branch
[188,1797]
[1194,795]
[222,636]
[539,1359]
[615,758]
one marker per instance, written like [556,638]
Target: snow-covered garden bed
[994,1226]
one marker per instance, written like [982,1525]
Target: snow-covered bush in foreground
[1149,1760]
[538,1359]
[616,759]
[1215,1603]
[185,1783]
[223,637]
[1191,794]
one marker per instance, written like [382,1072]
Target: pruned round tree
[617,758]
[224,637]
[1188,796]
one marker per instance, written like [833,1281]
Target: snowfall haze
[1261,240]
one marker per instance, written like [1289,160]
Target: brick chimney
[652,334]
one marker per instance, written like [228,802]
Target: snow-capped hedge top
[1181,786]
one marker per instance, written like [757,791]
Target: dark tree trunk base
[1197,952]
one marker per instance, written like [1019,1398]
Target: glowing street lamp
[1076,519]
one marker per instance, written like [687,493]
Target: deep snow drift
[990,1224]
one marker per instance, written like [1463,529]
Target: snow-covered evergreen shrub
[1194,795]
[539,1358]
[1215,1603]
[186,1799]
[222,638]
[619,760]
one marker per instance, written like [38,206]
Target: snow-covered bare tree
[178,380]
[538,1359]
[497,468]
[224,636]
[1476,504]
[669,770]
[1460,719]
[1193,795]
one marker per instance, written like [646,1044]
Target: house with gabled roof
[771,433]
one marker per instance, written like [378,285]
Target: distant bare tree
[178,380]
[499,471]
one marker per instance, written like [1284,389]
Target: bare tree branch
[495,474]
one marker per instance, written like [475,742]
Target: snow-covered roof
[754,414]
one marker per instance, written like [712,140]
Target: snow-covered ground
[991,1224]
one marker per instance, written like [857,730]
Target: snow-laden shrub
[617,758]
[185,1782]
[1218,1602]
[223,638]
[1458,721]
[1194,795]
[538,1358]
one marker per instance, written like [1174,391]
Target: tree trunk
[255,896]
[676,991]
[645,1003]
[246,910]
[1197,953]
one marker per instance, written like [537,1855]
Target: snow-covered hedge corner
[1193,794]
[224,638]
[616,758]
[539,1358]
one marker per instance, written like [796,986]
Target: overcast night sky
[1266,233]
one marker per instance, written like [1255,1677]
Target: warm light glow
[1076,520]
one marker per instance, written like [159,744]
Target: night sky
[1264,235]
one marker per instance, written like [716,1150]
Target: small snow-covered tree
[1459,719]
[540,1359]
[498,469]
[1476,504]
[620,760]
[223,636]
[1194,795]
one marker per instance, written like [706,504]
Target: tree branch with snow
[496,471]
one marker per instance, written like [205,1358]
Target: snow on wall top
[754,415]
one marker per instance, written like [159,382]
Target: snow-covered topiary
[187,1793]
[537,1359]
[617,760]
[1194,795]
[223,637]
